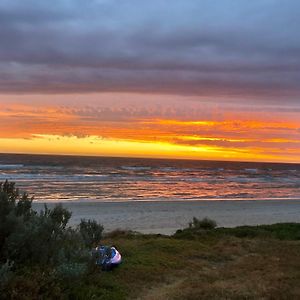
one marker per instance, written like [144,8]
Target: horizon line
[146,157]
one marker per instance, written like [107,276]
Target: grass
[248,262]
[259,262]
[282,231]
[42,258]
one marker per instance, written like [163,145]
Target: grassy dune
[260,262]
[41,257]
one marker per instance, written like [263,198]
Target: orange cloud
[56,129]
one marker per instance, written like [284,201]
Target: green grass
[259,262]
[41,257]
[283,231]
[248,262]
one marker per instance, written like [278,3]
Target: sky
[197,79]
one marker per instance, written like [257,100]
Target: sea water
[73,178]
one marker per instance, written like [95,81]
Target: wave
[149,180]
[52,177]
[10,166]
[135,168]
[45,167]
[238,195]
[251,170]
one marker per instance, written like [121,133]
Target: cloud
[193,126]
[207,48]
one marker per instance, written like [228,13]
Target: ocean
[72,178]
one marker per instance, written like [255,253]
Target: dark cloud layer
[207,47]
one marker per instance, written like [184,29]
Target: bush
[5,272]
[42,246]
[72,271]
[39,239]
[31,238]
[205,224]
[117,233]
[91,232]
[14,210]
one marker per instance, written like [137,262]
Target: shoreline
[165,200]
[165,217]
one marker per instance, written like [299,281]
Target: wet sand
[168,216]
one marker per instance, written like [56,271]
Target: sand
[167,217]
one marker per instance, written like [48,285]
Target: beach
[165,217]
[155,195]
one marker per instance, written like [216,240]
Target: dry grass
[215,268]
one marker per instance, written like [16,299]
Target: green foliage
[91,232]
[71,271]
[5,272]
[206,229]
[281,231]
[58,215]
[31,238]
[117,233]
[41,246]
[205,224]
[41,257]
[15,209]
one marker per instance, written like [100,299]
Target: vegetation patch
[41,257]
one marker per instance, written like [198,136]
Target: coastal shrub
[44,238]
[6,272]
[71,270]
[41,239]
[58,216]
[117,233]
[41,256]
[15,209]
[282,231]
[12,200]
[197,228]
[204,223]
[91,232]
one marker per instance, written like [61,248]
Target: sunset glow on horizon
[151,79]
[139,130]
